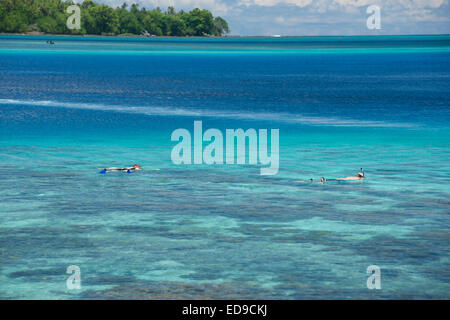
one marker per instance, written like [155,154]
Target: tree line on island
[50,16]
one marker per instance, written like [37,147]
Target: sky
[317,17]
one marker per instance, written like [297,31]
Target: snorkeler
[360,175]
[127,169]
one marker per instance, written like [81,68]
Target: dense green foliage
[49,16]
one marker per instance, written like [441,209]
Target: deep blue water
[224,231]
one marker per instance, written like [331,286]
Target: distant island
[49,17]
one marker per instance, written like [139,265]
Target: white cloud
[322,5]
[271,3]
[355,3]
[416,4]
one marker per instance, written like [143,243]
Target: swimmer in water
[360,175]
[127,169]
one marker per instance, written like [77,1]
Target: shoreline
[35,34]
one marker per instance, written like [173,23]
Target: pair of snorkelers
[360,175]
[131,169]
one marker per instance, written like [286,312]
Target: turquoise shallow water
[221,231]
